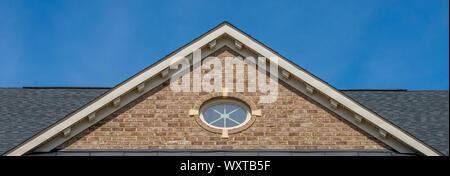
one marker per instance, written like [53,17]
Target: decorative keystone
[193,112]
[257,112]
[225,134]
[224,92]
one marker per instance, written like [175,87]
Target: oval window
[225,113]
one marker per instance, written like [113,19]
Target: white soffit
[224,28]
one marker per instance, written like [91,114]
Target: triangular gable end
[158,73]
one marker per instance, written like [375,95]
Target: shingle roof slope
[424,114]
[25,112]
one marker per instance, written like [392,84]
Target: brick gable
[159,120]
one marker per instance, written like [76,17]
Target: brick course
[159,120]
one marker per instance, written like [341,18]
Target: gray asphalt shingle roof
[424,114]
[25,112]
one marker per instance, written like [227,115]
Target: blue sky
[350,44]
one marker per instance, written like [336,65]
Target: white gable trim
[135,82]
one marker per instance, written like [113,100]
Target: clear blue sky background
[350,44]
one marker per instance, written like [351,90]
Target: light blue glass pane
[219,123]
[210,115]
[224,115]
[236,116]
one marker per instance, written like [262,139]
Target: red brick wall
[160,120]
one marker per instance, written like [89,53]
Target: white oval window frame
[214,102]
